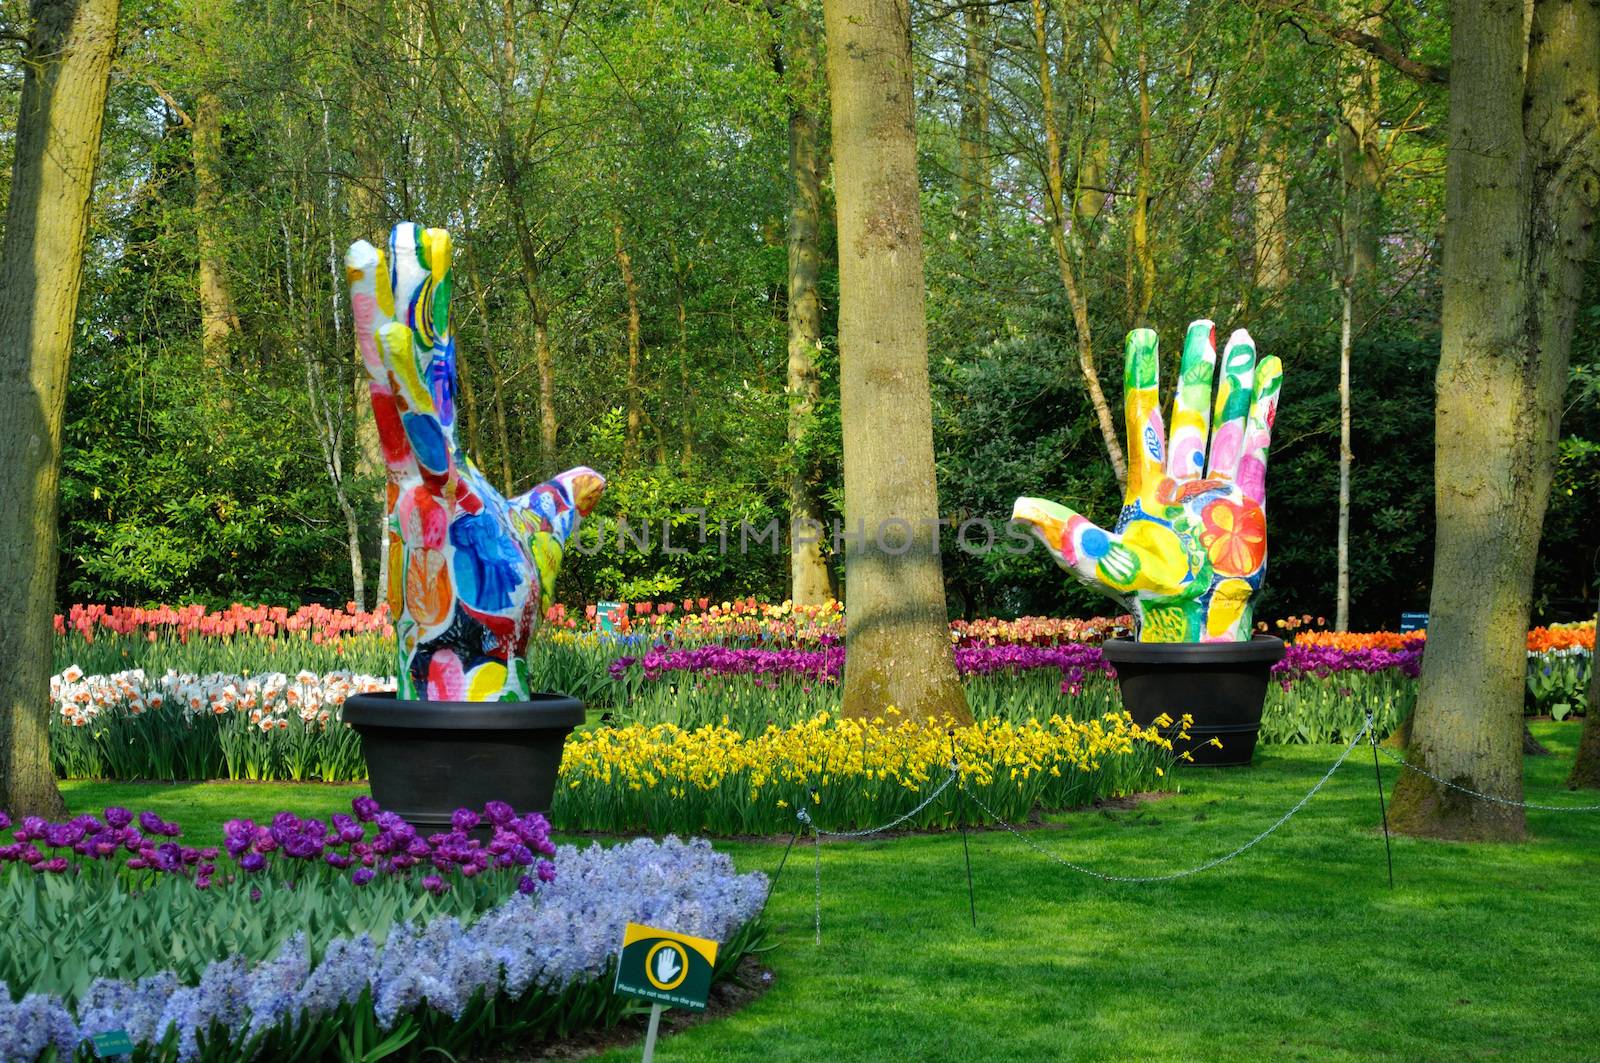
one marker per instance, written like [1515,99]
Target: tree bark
[1271,215]
[218,319]
[1341,621]
[1520,196]
[897,635]
[974,121]
[1064,266]
[630,288]
[1089,199]
[808,567]
[1360,153]
[57,143]
[1586,766]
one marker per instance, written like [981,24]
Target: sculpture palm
[470,572]
[1189,549]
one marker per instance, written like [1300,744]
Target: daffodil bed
[848,773]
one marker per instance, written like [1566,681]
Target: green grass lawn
[1297,950]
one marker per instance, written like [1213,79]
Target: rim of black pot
[538,712]
[1260,649]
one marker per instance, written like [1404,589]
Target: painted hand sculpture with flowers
[470,572]
[1189,550]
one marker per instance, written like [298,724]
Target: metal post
[650,1034]
[961,812]
[1372,738]
[772,883]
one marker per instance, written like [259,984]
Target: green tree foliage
[529,129]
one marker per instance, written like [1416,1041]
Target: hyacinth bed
[266,947]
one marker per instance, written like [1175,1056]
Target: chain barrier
[805,817]
[1209,864]
[1404,763]
[817,834]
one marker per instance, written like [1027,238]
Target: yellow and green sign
[666,967]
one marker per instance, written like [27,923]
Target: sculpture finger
[430,445]
[549,515]
[1141,403]
[371,303]
[420,260]
[1258,431]
[1078,545]
[1231,412]
[1191,403]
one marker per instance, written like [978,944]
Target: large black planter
[428,758]
[1221,684]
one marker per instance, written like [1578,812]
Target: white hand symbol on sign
[667,965]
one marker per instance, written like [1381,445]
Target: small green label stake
[112,1043]
[664,968]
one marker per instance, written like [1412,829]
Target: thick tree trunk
[808,567]
[1519,202]
[630,288]
[57,143]
[1089,199]
[1271,215]
[1341,621]
[1586,767]
[1360,153]
[1141,259]
[974,122]
[1064,264]
[897,638]
[218,320]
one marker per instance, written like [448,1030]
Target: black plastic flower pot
[1222,685]
[426,759]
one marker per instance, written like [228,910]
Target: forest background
[636,188]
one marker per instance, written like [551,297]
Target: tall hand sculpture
[1190,548]
[470,572]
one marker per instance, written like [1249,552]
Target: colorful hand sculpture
[1190,547]
[470,572]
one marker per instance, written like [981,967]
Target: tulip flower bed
[848,773]
[305,938]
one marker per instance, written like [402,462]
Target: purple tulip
[435,885]
[253,862]
[118,816]
[499,813]
[5,821]
[527,884]
[464,819]
[546,871]
[362,875]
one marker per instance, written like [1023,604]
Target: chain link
[1208,865]
[1404,763]
[805,817]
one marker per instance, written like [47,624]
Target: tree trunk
[808,568]
[218,320]
[898,636]
[1141,260]
[1360,153]
[1271,220]
[57,143]
[1586,766]
[974,122]
[1341,621]
[1064,265]
[1089,199]
[547,390]
[1520,196]
[630,443]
